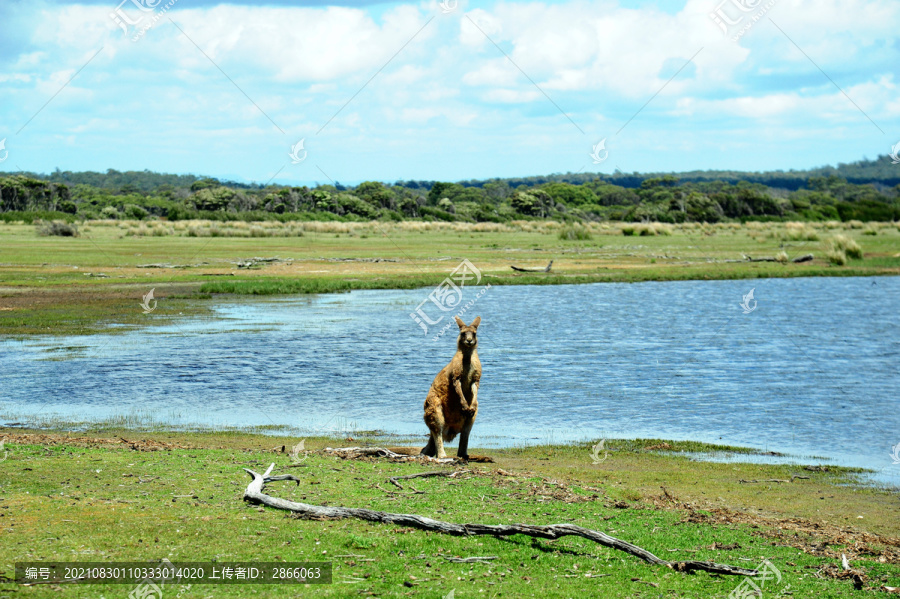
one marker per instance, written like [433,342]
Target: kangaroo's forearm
[462,398]
[474,393]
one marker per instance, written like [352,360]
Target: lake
[811,370]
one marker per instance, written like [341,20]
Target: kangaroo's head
[467,340]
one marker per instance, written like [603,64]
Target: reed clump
[840,248]
[575,232]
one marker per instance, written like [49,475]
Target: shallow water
[811,371]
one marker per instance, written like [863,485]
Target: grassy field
[80,284]
[93,496]
[124,496]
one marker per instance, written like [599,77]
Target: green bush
[437,213]
[575,233]
[30,216]
[181,213]
[58,228]
[109,212]
[136,212]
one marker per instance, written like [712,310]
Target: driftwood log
[797,260]
[403,454]
[255,495]
[749,259]
[545,269]
[355,452]
[393,480]
[471,560]
[358,452]
[774,480]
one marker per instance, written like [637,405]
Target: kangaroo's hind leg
[437,437]
[434,419]
[463,451]
[429,449]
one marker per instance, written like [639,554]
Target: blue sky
[387,91]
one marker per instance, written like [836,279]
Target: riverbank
[81,285]
[116,495]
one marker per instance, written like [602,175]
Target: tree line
[867,191]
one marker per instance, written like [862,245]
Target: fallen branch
[167,265]
[284,477]
[749,259]
[470,560]
[356,452]
[773,480]
[394,479]
[255,495]
[545,269]
[389,492]
[797,260]
[361,451]
[253,262]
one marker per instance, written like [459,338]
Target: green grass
[284,286]
[88,501]
[80,285]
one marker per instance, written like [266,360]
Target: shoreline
[690,449]
[80,285]
[24,311]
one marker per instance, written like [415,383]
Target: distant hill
[879,172]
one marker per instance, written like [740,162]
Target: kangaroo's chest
[469,373]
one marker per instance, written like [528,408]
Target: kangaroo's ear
[476,322]
[459,321]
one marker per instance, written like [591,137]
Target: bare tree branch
[255,495]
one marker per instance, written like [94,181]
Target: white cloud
[296,44]
[876,98]
[475,25]
[599,61]
[598,46]
[512,96]
[495,72]
[17,77]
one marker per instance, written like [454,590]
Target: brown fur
[452,402]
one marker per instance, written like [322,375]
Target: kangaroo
[452,402]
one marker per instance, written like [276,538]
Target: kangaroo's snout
[468,339]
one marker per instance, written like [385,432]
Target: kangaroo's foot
[463,451]
[441,454]
[435,447]
[429,450]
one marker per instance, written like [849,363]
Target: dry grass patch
[840,248]
[800,232]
